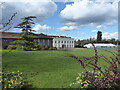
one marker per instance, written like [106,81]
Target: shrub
[39,47]
[5,47]
[109,77]
[11,47]
[25,45]
[52,48]
[11,80]
[46,48]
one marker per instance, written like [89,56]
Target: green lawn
[53,69]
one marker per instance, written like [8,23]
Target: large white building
[100,45]
[63,42]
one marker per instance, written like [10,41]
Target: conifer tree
[27,36]
[99,36]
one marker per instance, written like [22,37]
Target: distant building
[100,45]
[63,42]
[8,37]
[42,39]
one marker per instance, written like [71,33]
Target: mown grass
[52,68]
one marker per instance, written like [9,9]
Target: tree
[27,36]
[5,26]
[99,36]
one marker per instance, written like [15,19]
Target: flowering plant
[107,77]
[11,80]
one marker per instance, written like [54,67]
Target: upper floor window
[5,40]
[55,41]
[64,41]
[58,41]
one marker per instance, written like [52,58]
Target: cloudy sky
[80,19]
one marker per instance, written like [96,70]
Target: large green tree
[99,36]
[27,36]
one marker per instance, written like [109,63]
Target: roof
[60,37]
[100,44]
[42,36]
[10,35]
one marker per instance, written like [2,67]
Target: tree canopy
[27,36]
[99,36]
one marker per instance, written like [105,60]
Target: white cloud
[84,0]
[26,0]
[86,12]
[67,28]
[101,27]
[41,10]
[39,28]
[94,31]
[106,0]
[108,35]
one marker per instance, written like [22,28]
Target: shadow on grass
[27,86]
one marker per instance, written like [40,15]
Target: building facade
[7,38]
[63,42]
[43,40]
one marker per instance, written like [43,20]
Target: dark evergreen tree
[99,36]
[27,36]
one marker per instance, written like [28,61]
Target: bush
[46,48]
[25,45]
[109,77]
[11,80]
[12,47]
[39,47]
[52,48]
[5,47]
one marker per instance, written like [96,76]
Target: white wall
[69,42]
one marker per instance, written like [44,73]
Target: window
[48,42]
[58,41]
[64,41]
[67,41]
[5,40]
[38,41]
[58,46]
[66,46]
[43,42]
[55,41]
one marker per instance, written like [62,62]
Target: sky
[79,19]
